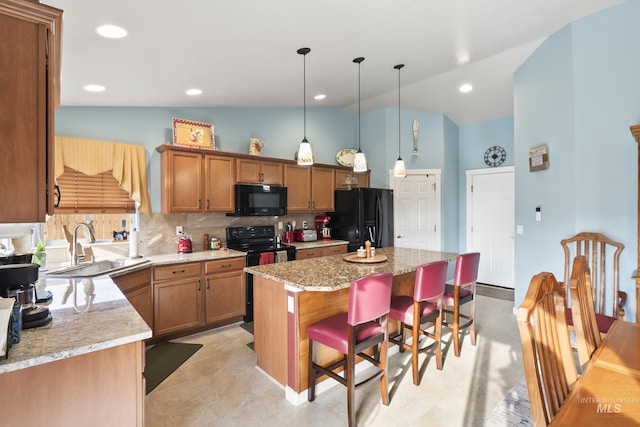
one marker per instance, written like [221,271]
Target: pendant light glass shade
[305,153]
[360,161]
[399,169]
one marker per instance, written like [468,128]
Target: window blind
[99,193]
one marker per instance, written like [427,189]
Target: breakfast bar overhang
[289,297]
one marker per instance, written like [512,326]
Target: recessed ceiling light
[94,88]
[111,31]
[320,96]
[193,92]
[466,88]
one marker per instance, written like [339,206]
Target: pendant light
[305,153]
[399,169]
[360,161]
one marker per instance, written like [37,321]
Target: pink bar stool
[462,291]
[424,308]
[362,327]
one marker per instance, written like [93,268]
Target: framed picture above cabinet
[193,134]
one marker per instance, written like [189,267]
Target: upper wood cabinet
[343,173]
[30,70]
[309,188]
[192,181]
[258,171]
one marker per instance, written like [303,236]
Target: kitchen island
[85,367]
[289,297]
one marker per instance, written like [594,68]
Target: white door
[490,223]
[416,210]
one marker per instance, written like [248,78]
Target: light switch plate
[520,229]
[178,230]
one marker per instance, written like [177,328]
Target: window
[101,193]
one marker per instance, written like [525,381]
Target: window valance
[126,161]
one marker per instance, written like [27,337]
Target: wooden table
[608,392]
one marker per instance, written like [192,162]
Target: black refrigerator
[363,214]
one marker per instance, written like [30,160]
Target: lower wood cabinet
[136,286]
[195,296]
[320,251]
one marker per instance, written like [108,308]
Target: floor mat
[495,291]
[163,359]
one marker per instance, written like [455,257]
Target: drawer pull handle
[225,265]
[178,271]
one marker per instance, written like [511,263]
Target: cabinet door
[323,182]
[342,174]
[177,305]
[142,300]
[297,179]
[181,182]
[219,182]
[225,296]
[271,172]
[248,171]
[23,163]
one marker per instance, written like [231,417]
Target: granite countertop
[88,315]
[331,273]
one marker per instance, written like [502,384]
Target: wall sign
[538,159]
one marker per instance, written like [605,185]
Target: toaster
[301,235]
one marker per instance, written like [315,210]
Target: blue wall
[578,94]
[474,141]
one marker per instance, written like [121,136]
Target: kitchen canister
[214,243]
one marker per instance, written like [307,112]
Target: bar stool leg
[311,392]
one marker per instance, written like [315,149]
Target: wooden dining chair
[603,265]
[584,313]
[549,366]
[420,313]
[364,326]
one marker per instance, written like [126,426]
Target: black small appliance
[17,281]
[256,241]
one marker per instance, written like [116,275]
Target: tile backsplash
[158,233]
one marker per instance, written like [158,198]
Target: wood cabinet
[192,181]
[102,388]
[225,290]
[30,70]
[309,188]
[320,251]
[194,296]
[177,291]
[343,173]
[258,171]
[136,286]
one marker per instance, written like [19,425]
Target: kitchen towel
[281,256]
[266,258]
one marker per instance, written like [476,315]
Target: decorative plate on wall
[346,157]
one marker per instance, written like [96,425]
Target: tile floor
[220,386]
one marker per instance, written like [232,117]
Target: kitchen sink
[96,268]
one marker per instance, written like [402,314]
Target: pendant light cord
[399,67]
[358,61]
[303,51]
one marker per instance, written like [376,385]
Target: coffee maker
[18,281]
[322,227]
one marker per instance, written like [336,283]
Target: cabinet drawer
[309,253]
[221,265]
[177,271]
[334,250]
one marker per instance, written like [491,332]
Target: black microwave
[260,200]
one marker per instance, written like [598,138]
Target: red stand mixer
[322,227]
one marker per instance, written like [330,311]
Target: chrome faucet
[74,243]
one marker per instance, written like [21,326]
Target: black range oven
[259,242]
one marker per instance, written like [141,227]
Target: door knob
[400,236]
